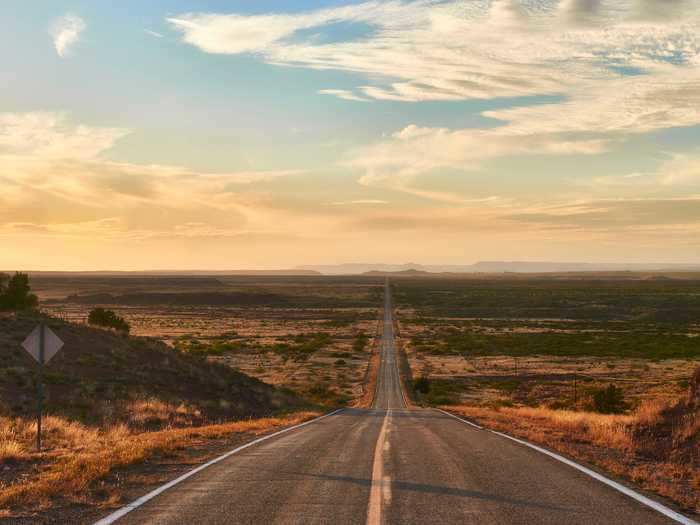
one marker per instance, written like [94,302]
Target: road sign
[42,344]
[52,344]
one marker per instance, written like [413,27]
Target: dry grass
[152,413]
[79,456]
[603,430]
[370,383]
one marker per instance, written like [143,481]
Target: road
[391,464]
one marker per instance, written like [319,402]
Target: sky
[237,134]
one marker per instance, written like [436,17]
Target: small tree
[108,319]
[610,400]
[17,294]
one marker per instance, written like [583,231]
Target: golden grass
[90,455]
[604,430]
[152,413]
[11,449]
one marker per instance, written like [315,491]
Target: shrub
[108,319]
[360,342]
[610,400]
[17,294]
[422,385]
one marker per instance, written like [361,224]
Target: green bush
[108,319]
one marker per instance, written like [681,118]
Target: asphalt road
[391,464]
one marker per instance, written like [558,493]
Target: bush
[610,400]
[17,294]
[360,342]
[108,319]
[422,385]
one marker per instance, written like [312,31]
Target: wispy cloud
[359,202]
[65,32]
[154,33]
[344,94]
[451,50]
[62,167]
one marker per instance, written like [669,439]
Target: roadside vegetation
[108,319]
[15,293]
[82,463]
[656,446]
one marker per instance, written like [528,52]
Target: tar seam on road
[380,485]
[658,507]
[143,499]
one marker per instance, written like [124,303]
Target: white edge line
[658,507]
[460,419]
[143,499]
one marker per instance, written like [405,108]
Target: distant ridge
[402,273]
[498,267]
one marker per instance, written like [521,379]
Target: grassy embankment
[115,401]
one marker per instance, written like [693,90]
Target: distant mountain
[402,273]
[361,268]
[558,267]
[497,267]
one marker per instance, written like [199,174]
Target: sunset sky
[268,134]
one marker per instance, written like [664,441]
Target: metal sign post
[40,385]
[42,344]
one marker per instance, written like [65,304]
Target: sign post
[40,386]
[42,344]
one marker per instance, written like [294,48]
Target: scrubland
[537,357]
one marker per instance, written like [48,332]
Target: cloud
[617,214]
[57,172]
[396,162]
[661,9]
[359,202]
[454,50]
[581,11]
[65,32]
[344,94]
[577,52]
[233,33]
[49,135]
[154,33]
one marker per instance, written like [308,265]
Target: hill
[402,273]
[99,375]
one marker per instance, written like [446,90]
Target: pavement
[391,464]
